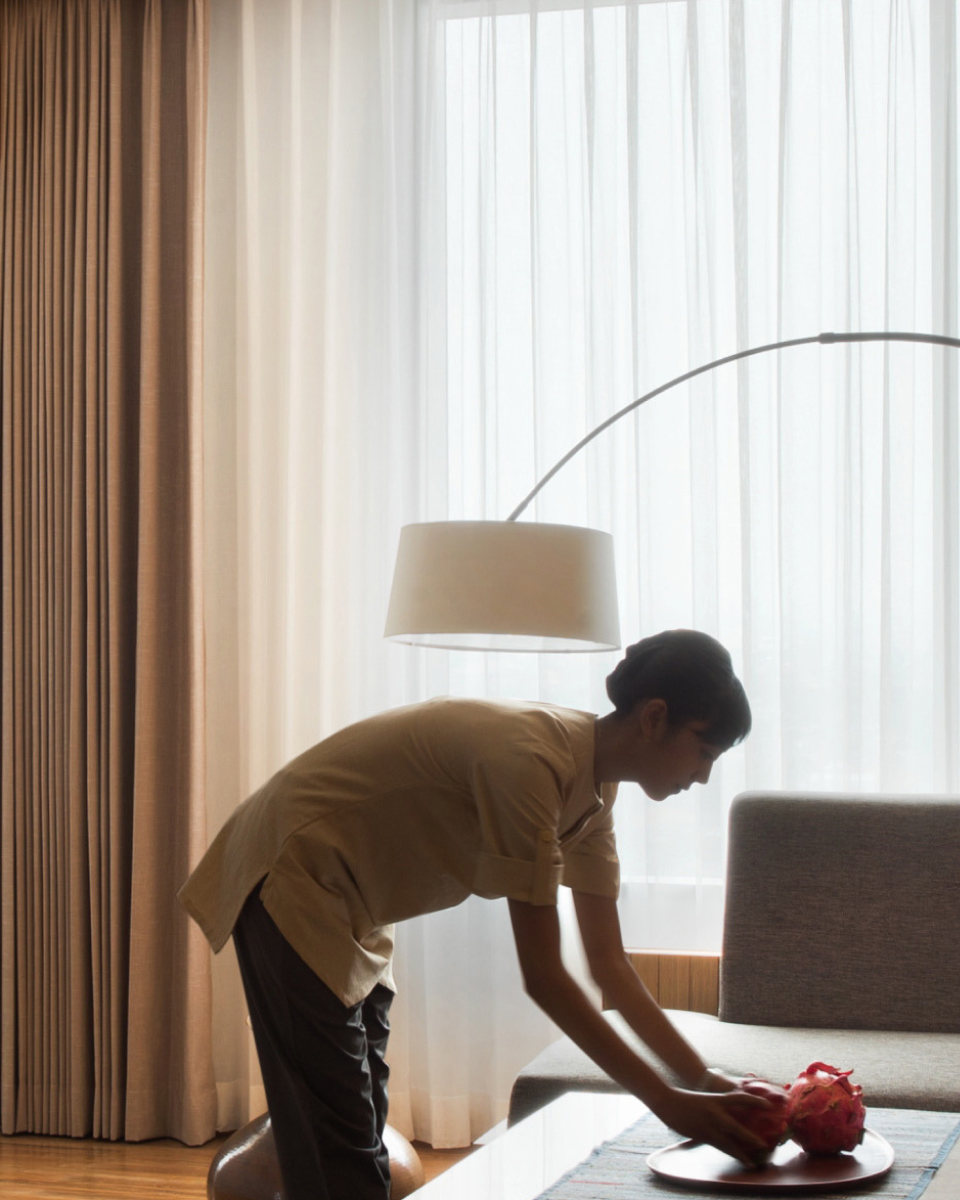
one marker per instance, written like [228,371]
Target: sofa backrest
[843,911]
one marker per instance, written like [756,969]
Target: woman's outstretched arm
[702,1116]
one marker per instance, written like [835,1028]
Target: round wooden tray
[790,1169]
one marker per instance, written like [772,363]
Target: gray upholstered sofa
[841,944]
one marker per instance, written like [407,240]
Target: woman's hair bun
[693,673]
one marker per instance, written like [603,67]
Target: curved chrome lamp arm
[823,338]
[526,585]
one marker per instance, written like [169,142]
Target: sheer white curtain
[444,240]
[313,460]
[632,190]
[310,335]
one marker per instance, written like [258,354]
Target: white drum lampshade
[504,585]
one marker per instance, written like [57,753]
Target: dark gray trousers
[323,1067]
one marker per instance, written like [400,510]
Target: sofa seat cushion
[895,1070]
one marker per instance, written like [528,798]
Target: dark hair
[693,674]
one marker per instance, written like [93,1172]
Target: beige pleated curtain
[105,1004]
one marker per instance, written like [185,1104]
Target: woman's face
[662,758]
[675,759]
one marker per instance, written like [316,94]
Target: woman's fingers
[711,1118]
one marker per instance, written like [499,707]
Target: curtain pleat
[105,988]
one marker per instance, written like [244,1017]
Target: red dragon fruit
[770,1124]
[826,1112]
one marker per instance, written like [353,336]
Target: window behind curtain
[620,193]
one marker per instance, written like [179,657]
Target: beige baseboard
[689,981]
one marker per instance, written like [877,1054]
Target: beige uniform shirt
[406,813]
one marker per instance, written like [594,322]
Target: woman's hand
[715,1080]
[711,1117]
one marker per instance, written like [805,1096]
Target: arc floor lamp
[530,586]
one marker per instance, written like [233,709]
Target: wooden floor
[42,1168]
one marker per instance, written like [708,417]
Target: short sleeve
[592,864]
[519,801]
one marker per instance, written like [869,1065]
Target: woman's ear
[653,718]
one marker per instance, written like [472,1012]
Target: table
[527,1159]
